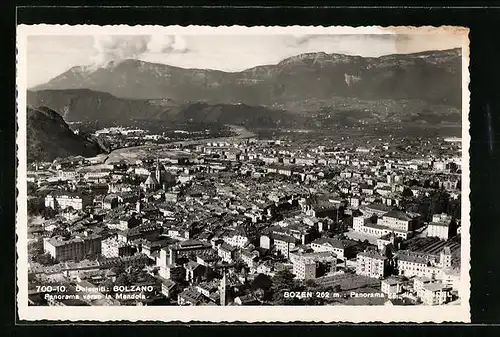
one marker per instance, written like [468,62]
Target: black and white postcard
[251,174]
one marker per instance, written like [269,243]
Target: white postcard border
[318,314]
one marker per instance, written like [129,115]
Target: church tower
[222,289]
[138,205]
[158,173]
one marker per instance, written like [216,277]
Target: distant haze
[49,56]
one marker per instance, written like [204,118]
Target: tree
[407,193]
[454,208]
[119,269]
[261,286]
[123,280]
[341,236]
[310,283]
[283,281]
[439,201]
[35,248]
[34,207]
[31,188]
[45,259]
[49,213]
[427,183]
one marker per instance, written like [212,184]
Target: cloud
[305,39]
[167,44]
[116,48]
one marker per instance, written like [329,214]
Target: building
[72,249]
[442,226]
[381,230]
[113,247]
[418,284]
[375,209]
[371,264]
[391,286]
[249,257]
[110,201]
[343,249]
[190,296]
[358,222]
[172,272]
[151,183]
[168,288]
[445,258]
[188,249]
[309,266]
[435,294]
[63,200]
[364,225]
[305,269]
[388,239]
[194,271]
[236,238]
[266,241]
[399,220]
[440,230]
[450,277]
[354,202]
[226,252]
[284,244]
[414,265]
[208,289]
[223,289]
[128,222]
[442,217]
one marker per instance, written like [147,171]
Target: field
[348,281]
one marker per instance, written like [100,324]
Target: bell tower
[222,289]
[158,172]
[138,205]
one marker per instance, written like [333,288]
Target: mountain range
[433,77]
[49,137]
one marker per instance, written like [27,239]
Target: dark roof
[412,258]
[379,207]
[191,295]
[400,215]
[193,243]
[441,224]
[340,244]
[227,247]
[285,238]
[372,254]
[192,265]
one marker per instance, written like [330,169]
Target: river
[131,154]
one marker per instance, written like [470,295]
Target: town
[250,221]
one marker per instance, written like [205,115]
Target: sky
[50,55]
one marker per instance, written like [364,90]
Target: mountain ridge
[453,52]
[432,76]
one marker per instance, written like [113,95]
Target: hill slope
[49,137]
[86,105]
[434,77]
[83,105]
